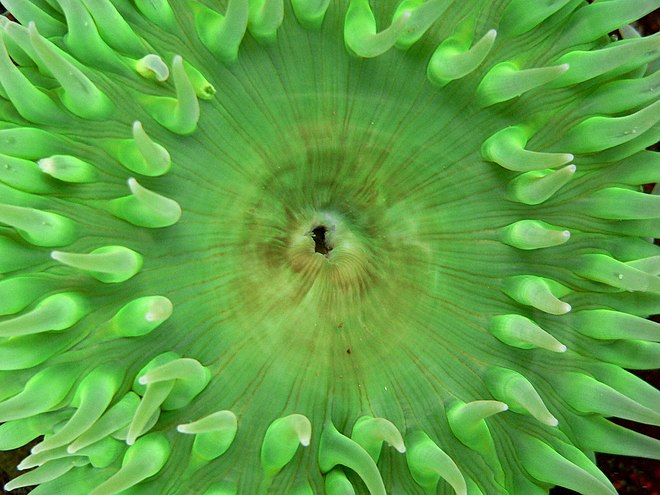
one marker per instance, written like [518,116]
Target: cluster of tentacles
[261,246]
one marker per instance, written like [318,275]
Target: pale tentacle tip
[46,165]
[132,184]
[159,312]
[551,421]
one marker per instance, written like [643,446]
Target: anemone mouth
[321,235]
[308,247]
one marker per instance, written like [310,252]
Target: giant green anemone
[305,247]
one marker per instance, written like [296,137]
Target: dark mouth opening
[321,244]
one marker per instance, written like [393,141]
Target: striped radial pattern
[326,246]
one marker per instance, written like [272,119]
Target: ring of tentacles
[261,246]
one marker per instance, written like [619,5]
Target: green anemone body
[326,246]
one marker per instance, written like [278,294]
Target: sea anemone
[397,246]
